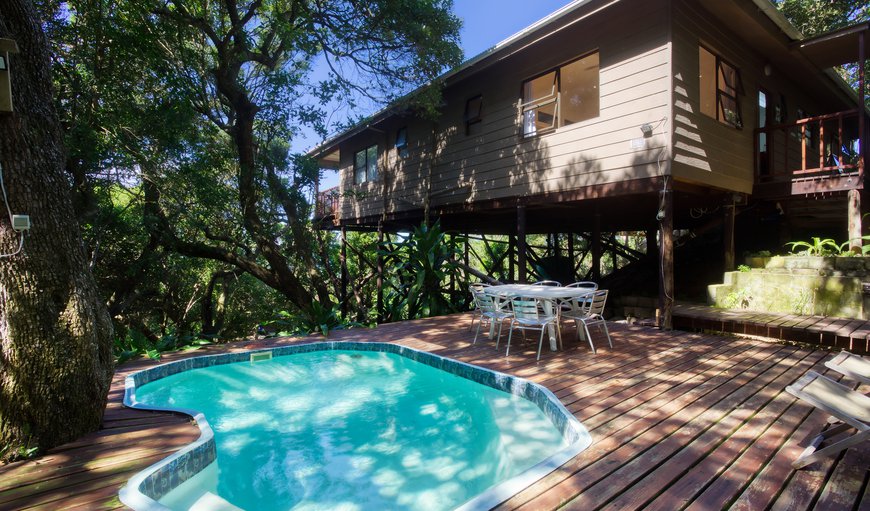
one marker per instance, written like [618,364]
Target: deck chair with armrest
[852,366]
[844,404]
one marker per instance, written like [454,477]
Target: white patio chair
[553,283]
[588,310]
[531,313]
[475,311]
[566,305]
[585,284]
[492,309]
[853,366]
[844,404]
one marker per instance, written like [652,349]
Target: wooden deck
[678,420]
[842,333]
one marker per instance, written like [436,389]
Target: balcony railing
[814,147]
[327,203]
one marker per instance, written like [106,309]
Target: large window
[563,96]
[720,86]
[365,165]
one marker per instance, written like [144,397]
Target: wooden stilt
[666,258]
[380,281]
[854,212]
[855,228]
[521,243]
[596,247]
[343,261]
[651,242]
[728,236]
[571,256]
[512,254]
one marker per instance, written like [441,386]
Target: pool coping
[142,491]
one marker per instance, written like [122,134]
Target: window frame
[473,118]
[720,64]
[555,97]
[366,165]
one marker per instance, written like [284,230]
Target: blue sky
[484,24]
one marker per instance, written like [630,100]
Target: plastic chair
[490,308]
[592,286]
[475,312]
[531,313]
[553,283]
[588,310]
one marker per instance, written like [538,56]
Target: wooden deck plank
[677,419]
[630,432]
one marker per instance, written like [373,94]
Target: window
[720,86]
[563,96]
[473,117]
[365,165]
[402,142]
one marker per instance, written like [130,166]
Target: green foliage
[319,319]
[828,247]
[135,344]
[739,299]
[426,260]
[816,247]
[744,268]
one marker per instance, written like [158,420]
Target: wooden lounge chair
[853,366]
[844,404]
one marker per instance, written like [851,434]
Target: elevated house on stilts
[711,119]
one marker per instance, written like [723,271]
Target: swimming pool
[350,426]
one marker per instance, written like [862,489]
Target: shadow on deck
[678,420]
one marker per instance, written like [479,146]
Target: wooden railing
[813,147]
[327,203]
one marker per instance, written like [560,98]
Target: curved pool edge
[143,490]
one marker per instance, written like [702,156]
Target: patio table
[549,293]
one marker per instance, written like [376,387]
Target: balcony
[326,204]
[813,155]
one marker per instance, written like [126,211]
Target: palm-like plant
[426,260]
[816,247]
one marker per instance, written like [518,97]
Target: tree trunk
[55,333]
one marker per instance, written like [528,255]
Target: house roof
[836,47]
[824,51]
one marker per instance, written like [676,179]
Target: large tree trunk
[55,334]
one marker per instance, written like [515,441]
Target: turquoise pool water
[351,430]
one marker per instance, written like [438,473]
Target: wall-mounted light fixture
[647,129]
[768,69]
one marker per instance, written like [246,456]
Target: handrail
[327,203]
[815,146]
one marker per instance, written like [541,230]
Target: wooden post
[380,281]
[596,246]
[466,260]
[728,236]
[855,228]
[557,245]
[571,256]
[666,258]
[651,242]
[512,253]
[854,213]
[343,260]
[521,243]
